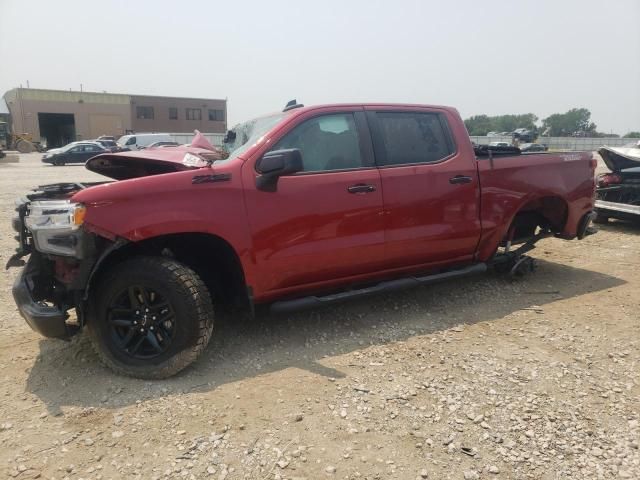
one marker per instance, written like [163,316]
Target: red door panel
[326,222]
[428,219]
[313,230]
[431,192]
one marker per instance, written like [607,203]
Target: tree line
[575,122]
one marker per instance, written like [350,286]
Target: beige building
[58,117]
[177,115]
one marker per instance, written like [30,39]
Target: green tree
[508,123]
[575,121]
[482,124]
[478,125]
[632,135]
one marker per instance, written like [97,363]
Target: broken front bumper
[49,321]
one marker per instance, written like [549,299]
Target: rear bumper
[49,321]
[615,209]
[582,227]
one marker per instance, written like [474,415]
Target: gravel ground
[474,379]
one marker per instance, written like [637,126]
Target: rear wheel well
[546,213]
[210,256]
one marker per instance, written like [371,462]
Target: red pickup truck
[311,205]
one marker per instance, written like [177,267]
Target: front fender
[148,207]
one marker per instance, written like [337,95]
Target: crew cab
[308,206]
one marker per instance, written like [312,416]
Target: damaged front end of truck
[63,252]
[61,257]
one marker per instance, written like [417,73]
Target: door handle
[460,179]
[361,188]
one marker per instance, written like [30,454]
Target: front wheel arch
[211,256]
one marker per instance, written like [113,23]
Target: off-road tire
[188,297]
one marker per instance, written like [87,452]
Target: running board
[285,306]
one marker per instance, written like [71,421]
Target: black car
[76,152]
[533,147]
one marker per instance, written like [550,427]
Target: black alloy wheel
[142,322]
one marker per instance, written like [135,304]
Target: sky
[482,57]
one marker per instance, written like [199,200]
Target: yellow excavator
[22,142]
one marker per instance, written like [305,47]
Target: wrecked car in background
[618,191]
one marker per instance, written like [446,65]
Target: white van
[142,140]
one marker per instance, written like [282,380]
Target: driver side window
[328,142]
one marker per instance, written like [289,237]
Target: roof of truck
[369,104]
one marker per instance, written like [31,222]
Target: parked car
[106,137]
[524,135]
[499,144]
[533,147]
[163,144]
[142,140]
[75,152]
[618,191]
[294,217]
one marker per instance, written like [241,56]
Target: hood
[142,163]
[620,158]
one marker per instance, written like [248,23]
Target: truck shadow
[69,373]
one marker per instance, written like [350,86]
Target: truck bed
[558,184]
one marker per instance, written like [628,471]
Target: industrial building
[58,117]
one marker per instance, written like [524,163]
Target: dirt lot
[480,378]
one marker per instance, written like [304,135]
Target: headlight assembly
[54,225]
[55,214]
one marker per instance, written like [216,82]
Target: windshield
[122,140]
[67,147]
[248,133]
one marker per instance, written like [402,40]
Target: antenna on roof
[291,104]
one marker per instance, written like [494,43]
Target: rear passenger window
[414,137]
[329,142]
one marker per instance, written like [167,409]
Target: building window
[173,113]
[194,114]
[216,115]
[145,113]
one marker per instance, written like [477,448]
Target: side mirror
[275,164]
